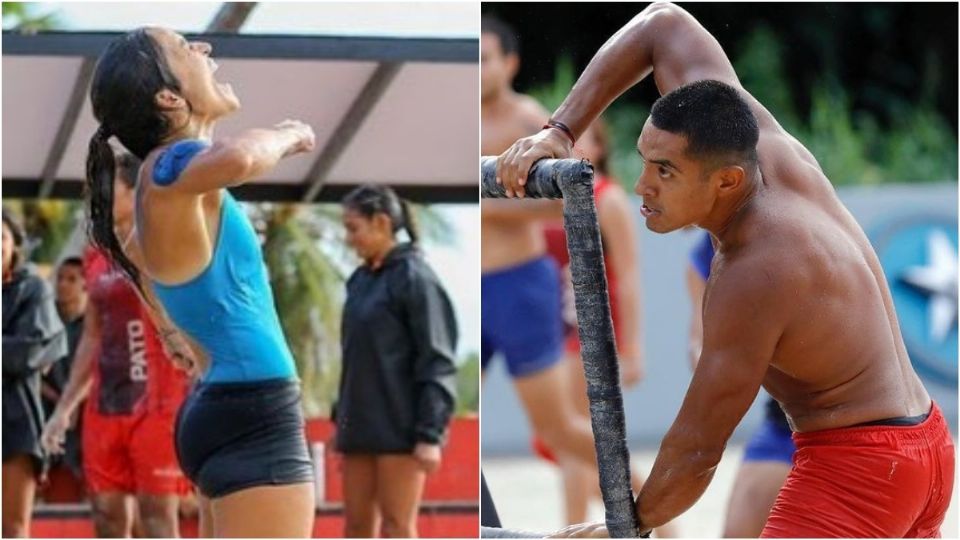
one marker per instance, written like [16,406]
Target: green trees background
[870,89]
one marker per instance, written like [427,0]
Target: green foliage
[49,225]
[308,291]
[851,145]
[759,66]
[25,17]
[921,148]
[552,94]
[853,148]
[624,121]
[832,136]
[468,384]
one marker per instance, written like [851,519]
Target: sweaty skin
[796,302]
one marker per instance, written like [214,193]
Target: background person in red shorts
[134,394]
[796,301]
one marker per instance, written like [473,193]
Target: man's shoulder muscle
[754,281]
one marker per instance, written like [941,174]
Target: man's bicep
[689,54]
[740,332]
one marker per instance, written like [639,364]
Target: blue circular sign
[919,258]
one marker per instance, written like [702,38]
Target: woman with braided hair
[196,258]
[399,337]
[129,392]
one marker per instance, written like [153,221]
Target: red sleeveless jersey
[132,373]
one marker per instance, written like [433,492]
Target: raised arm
[664,40]
[233,160]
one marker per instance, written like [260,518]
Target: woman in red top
[134,394]
[618,232]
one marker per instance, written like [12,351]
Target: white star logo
[938,280]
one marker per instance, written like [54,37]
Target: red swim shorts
[131,454]
[867,482]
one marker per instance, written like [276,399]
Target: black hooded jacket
[33,338]
[398,338]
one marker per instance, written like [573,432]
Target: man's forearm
[678,479]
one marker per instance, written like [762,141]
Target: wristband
[562,127]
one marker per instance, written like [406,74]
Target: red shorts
[867,482]
[132,454]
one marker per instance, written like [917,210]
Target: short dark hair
[71,261]
[715,119]
[509,41]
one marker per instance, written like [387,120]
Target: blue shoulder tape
[175,159]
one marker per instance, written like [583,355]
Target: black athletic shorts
[233,436]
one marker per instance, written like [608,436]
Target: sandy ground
[528,495]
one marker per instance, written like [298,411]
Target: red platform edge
[450,496]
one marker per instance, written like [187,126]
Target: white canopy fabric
[398,111]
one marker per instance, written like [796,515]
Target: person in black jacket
[396,391]
[33,338]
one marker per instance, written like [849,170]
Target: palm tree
[308,260]
[300,248]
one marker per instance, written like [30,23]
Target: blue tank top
[228,308]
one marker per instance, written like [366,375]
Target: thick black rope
[572,180]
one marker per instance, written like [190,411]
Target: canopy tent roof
[397,111]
